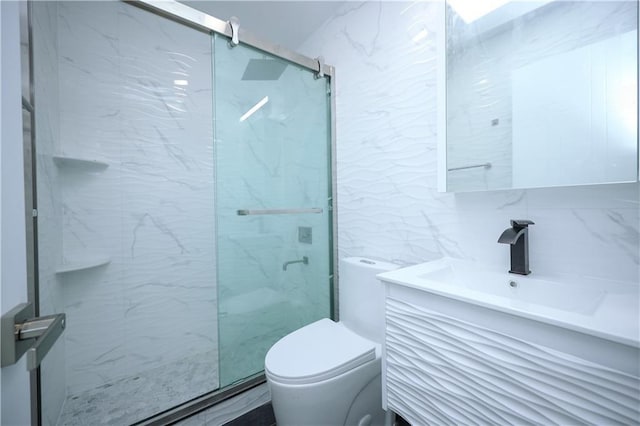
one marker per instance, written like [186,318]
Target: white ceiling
[287,23]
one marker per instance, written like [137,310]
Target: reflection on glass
[544,92]
[273,224]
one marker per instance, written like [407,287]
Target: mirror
[541,93]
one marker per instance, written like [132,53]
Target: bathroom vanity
[466,344]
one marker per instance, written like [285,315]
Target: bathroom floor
[134,398]
[261,416]
[400,421]
[264,416]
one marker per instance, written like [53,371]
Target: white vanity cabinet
[446,361]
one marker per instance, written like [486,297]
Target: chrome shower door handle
[52,327]
[21,333]
[249,212]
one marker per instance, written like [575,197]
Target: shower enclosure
[184,204]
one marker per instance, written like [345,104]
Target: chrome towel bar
[473,166]
[278,211]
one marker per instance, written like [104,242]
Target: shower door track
[201,21]
[201,403]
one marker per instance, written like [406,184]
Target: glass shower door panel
[273,221]
[126,211]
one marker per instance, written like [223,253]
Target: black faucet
[518,237]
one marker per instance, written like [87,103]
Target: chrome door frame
[30,188]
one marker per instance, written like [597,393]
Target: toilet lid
[316,352]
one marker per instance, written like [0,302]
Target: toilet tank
[361,296]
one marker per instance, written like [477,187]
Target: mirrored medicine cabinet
[539,94]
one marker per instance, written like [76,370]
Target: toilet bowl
[328,373]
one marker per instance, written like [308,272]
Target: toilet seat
[320,351]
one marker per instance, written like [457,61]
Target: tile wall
[388,204]
[131,94]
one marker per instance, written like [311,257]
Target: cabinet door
[444,370]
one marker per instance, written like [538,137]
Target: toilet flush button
[365,421]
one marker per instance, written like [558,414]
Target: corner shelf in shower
[63,161]
[81,265]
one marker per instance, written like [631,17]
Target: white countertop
[606,309]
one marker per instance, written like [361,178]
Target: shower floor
[134,398]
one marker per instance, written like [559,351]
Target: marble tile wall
[151,210]
[388,204]
[137,397]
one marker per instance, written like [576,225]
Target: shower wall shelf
[67,162]
[81,265]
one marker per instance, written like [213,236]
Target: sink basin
[520,290]
[608,309]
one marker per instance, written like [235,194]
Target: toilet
[328,373]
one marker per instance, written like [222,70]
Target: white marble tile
[492,200]
[616,196]
[600,243]
[387,203]
[150,210]
[479,230]
[143,394]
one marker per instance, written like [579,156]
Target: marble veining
[388,204]
[155,134]
[107,91]
[131,399]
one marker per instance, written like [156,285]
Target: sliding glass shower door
[124,137]
[273,203]
[184,216]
